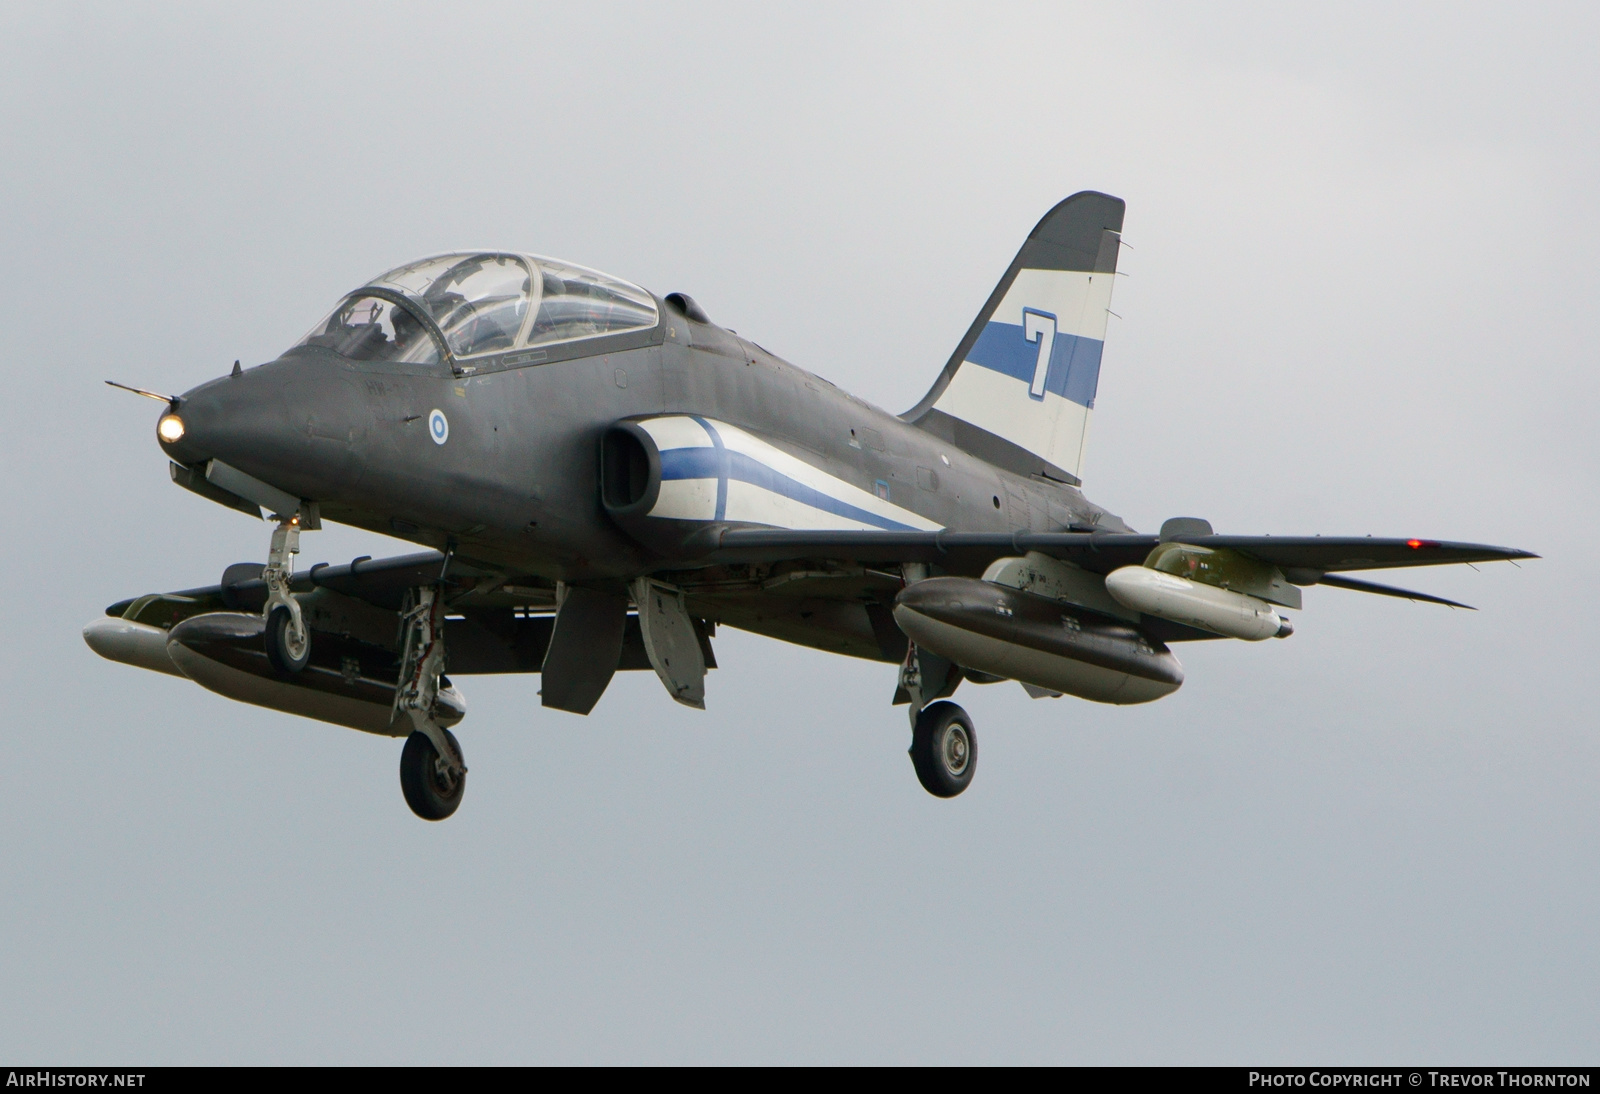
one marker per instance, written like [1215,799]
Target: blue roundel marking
[438,427]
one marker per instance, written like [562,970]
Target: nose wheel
[944,749]
[288,643]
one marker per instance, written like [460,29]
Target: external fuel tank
[1036,640]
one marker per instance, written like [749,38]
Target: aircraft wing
[381,582]
[1332,554]
[1100,552]
[474,585]
[484,635]
[959,552]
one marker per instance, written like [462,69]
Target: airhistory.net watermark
[52,1078]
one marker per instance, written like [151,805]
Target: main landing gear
[944,749]
[433,771]
[944,746]
[432,786]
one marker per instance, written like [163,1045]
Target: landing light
[170,429]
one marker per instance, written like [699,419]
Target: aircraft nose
[238,419]
[271,423]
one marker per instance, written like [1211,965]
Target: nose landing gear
[287,637]
[433,770]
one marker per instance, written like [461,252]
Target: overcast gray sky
[1361,299]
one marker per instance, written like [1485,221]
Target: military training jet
[603,477]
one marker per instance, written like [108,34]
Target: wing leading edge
[381,582]
[1310,556]
[1305,559]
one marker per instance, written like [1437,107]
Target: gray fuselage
[516,484]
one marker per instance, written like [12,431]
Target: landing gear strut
[433,771]
[944,746]
[287,637]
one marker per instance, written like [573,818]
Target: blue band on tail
[1074,371]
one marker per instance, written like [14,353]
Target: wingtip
[1511,554]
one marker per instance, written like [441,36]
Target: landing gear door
[585,648]
[671,641]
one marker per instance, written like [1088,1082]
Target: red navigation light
[1414,544]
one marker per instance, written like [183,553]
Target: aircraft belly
[835,626]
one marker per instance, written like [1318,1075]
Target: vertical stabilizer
[1020,387]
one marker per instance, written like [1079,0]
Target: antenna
[170,400]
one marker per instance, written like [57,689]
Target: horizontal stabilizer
[1390,590]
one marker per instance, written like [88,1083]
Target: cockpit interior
[473,304]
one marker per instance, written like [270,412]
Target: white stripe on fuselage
[687,499]
[695,499]
[750,503]
[677,432]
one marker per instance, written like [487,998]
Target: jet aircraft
[603,477]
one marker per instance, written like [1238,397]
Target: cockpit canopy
[480,302]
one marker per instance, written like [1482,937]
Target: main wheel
[944,749]
[431,791]
[286,651]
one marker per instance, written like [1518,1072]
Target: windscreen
[478,300]
[369,328]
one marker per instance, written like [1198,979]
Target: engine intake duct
[630,471]
[631,492]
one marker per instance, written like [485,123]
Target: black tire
[284,654]
[944,749]
[431,794]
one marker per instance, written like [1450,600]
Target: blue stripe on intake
[1074,371]
[722,464]
[722,467]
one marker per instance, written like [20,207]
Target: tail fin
[1019,388]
